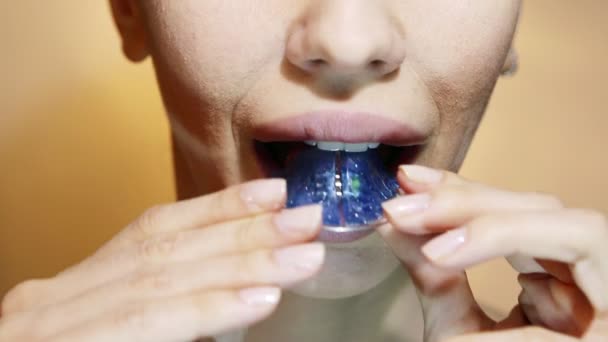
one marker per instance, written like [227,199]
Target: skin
[436,79]
[219,258]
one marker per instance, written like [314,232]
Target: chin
[350,269]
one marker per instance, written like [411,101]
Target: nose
[347,38]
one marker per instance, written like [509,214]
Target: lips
[284,149]
[275,141]
[342,126]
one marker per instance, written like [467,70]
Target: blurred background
[84,145]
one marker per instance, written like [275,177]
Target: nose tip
[347,41]
[347,54]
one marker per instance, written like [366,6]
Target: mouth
[274,157]
[345,161]
[276,160]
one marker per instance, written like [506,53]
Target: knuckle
[216,301]
[151,281]
[131,318]
[158,247]
[488,226]
[249,267]
[23,296]
[452,196]
[245,234]
[224,201]
[145,225]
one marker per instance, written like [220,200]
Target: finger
[555,305]
[526,265]
[453,201]
[182,318]
[281,267]
[232,203]
[448,305]
[530,334]
[576,237]
[263,231]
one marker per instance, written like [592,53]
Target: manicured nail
[301,258]
[264,194]
[422,174]
[445,244]
[260,296]
[299,221]
[406,205]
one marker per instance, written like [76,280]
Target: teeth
[330,146]
[340,146]
[355,147]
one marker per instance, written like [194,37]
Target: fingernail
[257,296]
[408,204]
[264,194]
[298,221]
[302,258]
[445,244]
[422,174]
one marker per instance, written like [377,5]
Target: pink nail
[408,204]
[299,221]
[264,194]
[422,174]
[260,296]
[445,245]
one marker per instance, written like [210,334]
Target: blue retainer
[351,186]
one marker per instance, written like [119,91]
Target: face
[232,72]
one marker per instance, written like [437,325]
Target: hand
[179,272]
[446,224]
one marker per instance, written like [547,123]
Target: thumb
[447,302]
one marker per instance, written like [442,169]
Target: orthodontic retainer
[351,187]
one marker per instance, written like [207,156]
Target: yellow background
[84,145]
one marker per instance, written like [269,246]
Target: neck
[358,318]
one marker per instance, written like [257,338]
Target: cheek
[458,53]
[212,49]
[459,50]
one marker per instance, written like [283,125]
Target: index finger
[235,202]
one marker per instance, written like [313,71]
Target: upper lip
[343,126]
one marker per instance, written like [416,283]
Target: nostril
[317,62]
[377,64]
[314,64]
